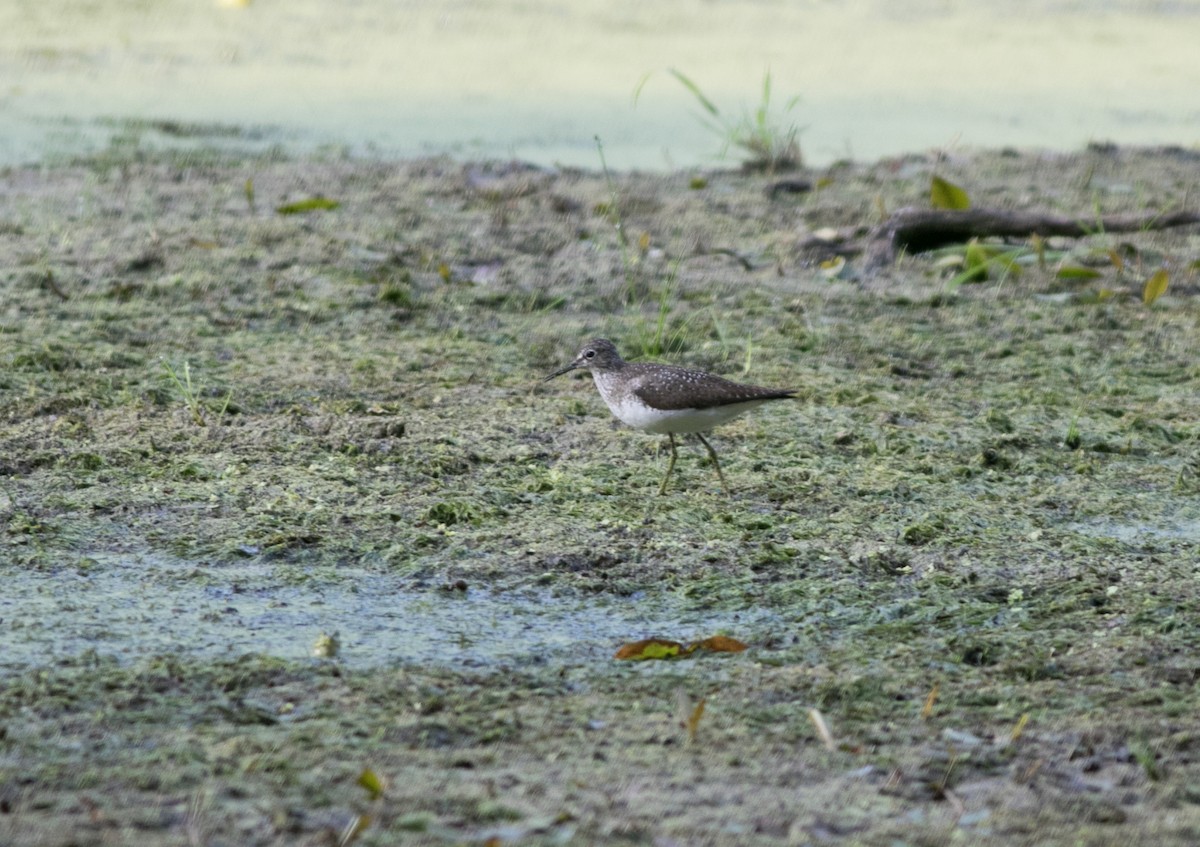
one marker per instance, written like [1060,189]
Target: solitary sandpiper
[667,399]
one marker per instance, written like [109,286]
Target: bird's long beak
[568,367]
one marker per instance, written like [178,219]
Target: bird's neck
[607,382]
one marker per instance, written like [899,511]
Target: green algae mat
[297,548]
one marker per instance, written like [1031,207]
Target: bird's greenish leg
[662,489]
[713,455]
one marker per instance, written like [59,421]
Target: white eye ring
[590,354]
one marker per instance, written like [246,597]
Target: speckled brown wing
[671,389]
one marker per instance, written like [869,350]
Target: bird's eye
[589,354]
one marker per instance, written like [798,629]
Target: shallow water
[1187,531]
[131,607]
[540,80]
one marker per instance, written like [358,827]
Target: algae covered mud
[249,404]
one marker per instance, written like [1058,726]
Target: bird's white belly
[629,410]
[679,420]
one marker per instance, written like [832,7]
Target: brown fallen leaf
[693,721]
[719,644]
[662,648]
[927,709]
[649,648]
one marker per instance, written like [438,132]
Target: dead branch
[918,230]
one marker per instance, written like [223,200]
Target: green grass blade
[707,104]
[765,106]
[637,91]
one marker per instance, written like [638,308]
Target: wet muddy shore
[250,403]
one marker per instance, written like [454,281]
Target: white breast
[631,411]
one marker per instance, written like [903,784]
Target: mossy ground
[990,495]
